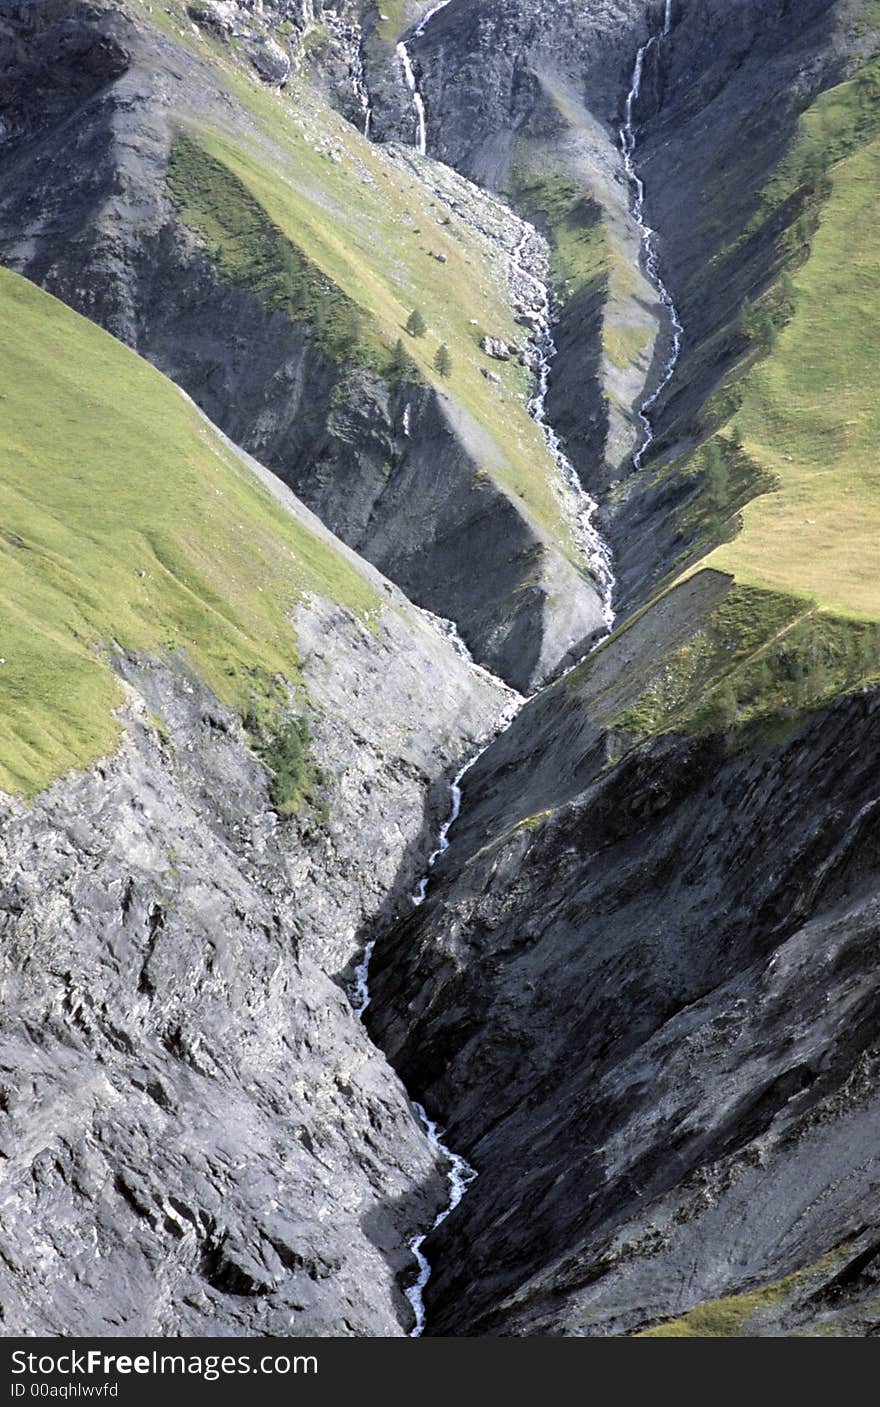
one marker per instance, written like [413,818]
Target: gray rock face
[480,67]
[190,1107]
[198,1136]
[646,1014]
[270,60]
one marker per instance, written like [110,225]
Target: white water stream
[590,541]
[596,552]
[628,141]
[412,81]
[460,1175]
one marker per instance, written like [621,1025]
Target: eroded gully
[534,292]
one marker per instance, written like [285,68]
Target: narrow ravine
[628,142]
[533,291]
[531,288]
[460,1175]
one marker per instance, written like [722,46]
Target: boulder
[270,60]
[494,347]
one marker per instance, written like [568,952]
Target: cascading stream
[411,80]
[628,140]
[593,546]
[590,541]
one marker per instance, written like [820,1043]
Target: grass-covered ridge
[392,20]
[126,519]
[380,238]
[810,415]
[252,252]
[789,498]
[758,657]
[806,411]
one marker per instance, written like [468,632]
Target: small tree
[443,360]
[400,362]
[415,324]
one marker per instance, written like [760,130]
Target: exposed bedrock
[185,1093]
[198,1136]
[640,998]
[480,65]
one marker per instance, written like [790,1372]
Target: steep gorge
[635,983]
[546,1032]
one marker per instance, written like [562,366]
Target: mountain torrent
[440,668]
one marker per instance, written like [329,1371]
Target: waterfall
[592,545]
[412,81]
[461,1175]
[418,104]
[649,247]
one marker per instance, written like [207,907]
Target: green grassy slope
[810,415]
[125,519]
[748,1315]
[249,250]
[374,234]
[791,476]
[585,259]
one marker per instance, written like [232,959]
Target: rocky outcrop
[639,996]
[198,1136]
[270,60]
[480,68]
[186,1095]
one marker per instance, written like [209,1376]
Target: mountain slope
[179,1068]
[186,159]
[640,993]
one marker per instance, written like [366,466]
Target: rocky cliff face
[556,968]
[199,1137]
[640,994]
[618,989]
